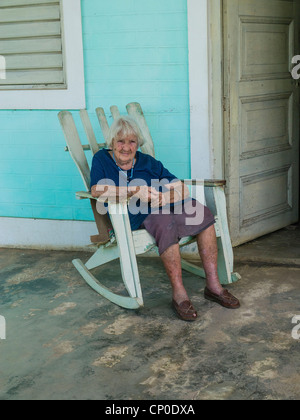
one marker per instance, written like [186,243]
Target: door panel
[261,117]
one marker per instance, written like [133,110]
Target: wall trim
[67,235]
[205,85]
[198,88]
[46,234]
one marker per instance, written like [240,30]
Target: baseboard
[57,234]
[45,234]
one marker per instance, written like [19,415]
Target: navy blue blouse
[147,171]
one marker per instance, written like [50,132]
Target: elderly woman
[159,203]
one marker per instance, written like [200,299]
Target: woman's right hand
[144,193]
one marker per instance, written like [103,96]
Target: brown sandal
[185,310]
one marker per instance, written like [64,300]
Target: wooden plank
[216,202]
[134,109]
[130,274]
[143,241]
[123,301]
[13,3]
[205,182]
[103,122]
[102,256]
[115,112]
[33,77]
[75,147]
[22,14]
[12,46]
[30,29]
[89,131]
[84,195]
[34,61]
[88,147]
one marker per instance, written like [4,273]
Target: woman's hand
[143,192]
[110,193]
[158,200]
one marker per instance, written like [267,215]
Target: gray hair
[124,126]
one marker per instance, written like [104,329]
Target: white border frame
[206,88]
[74,96]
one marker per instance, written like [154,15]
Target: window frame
[72,97]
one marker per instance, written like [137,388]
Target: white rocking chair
[126,244]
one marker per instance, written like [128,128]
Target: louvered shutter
[31,44]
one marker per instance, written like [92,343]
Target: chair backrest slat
[134,109]
[75,146]
[103,122]
[115,112]
[89,131]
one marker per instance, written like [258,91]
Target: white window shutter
[32,45]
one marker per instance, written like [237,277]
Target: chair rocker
[126,244]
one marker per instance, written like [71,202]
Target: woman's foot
[185,310]
[224,298]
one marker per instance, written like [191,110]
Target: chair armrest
[87,147]
[205,182]
[81,195]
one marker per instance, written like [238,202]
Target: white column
[199,89]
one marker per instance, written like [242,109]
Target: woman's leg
[181,303]
[164,230]
[206,239]
[172,263]
[208,250]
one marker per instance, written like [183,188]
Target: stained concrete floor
[64,342]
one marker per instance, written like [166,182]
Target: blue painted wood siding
[134,50]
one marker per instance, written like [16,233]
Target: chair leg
[124,250]
[224,269]
[216,198]
[225,262]
[103,255]
[224,277]
[123,301]
[130,274]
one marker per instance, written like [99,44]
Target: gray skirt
[185,219]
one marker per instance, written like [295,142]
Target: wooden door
[261,116]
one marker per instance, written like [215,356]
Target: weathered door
[261,118]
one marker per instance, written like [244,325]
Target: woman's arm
[177,192]
[117,194]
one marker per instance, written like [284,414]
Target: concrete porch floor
[65,342]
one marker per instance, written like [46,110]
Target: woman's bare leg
[208,250]
[172,262]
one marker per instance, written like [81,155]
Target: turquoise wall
[134,50]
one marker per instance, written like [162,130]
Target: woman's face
[125,148]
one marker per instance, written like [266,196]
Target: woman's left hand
[158,199]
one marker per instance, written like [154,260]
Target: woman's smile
[124,150]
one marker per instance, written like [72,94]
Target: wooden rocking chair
[124,243]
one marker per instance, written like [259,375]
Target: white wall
[45,234]
[199,82]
